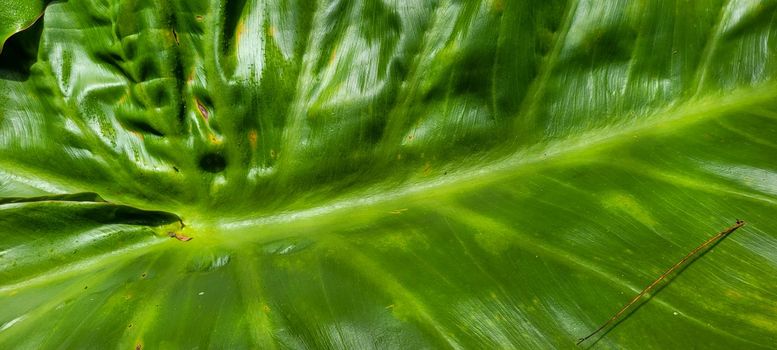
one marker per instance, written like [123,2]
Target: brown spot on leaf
[498,5]
[332,57]
[180,237]
[239,30]
[252,137]
[202,109]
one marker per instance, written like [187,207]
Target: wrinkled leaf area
[379,174]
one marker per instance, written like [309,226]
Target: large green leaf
[387,174]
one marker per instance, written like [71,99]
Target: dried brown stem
[713,239]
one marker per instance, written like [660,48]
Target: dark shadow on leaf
[74,197]
[132,216]
[99,210]
[20,52]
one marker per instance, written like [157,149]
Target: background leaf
[388,174]
[17,16]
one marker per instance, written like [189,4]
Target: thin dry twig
[713,239]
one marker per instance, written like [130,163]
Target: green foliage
[16,16]
[386,174]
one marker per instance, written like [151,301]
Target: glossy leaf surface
[17,16]
[387,174]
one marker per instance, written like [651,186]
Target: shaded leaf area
[246,105]
[76,197]
[526,255]
[388,174]
[17,16]
[41,234]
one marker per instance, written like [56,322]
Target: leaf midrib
[596,141]
[542,155]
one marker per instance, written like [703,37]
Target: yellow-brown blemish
[198,17]
[732,294]
[498,5]
[139,135]
[252,136]
[266,308]
[271,31]
[332,56]
[180,237]
[239,30]
[202,109]
[427,169]
[213,139]
[272,154]
[398,211]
